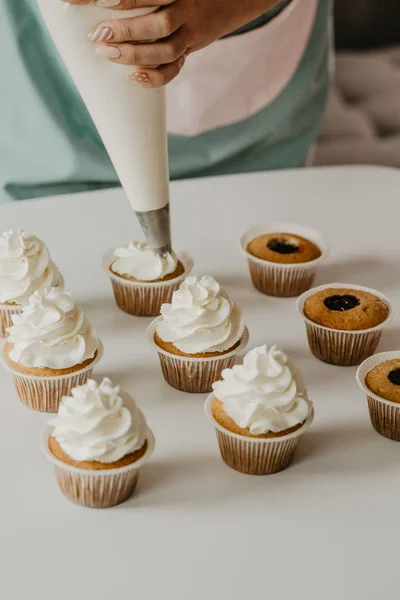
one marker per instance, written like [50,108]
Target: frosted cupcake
[25,267]
[259,410]
[198,335]
[142,280]
[50,349]
[97,443]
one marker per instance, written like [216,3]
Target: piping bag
[130,120]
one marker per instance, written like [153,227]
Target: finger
[154,78]
[77,1]
[145,55]
[125,4]
[155,26]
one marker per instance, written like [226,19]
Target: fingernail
[140,77]
[107,3]
[181,61]
[101,34]
[108,52]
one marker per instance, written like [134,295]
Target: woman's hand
[157,44]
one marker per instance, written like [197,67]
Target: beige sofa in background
[362,124]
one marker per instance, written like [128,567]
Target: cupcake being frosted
[25,267]
[143,280]
[259,410]
[51,338]
[97,442]
[201,321]
[139,262]
[198,334]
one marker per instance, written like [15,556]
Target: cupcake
[143,280]
[379,378]
[259,410]
[283,258]
[25,267]
[198,335]
[51,348]
[344,322]
[97,443]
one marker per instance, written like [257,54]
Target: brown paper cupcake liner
[384,414]
[143,299]
[282,283]
[194,375]
[94,492]
[256,459]
[256,456]
[44,394]
[342,348]
[97,489]
[385,418]
[6,313]
[283,280]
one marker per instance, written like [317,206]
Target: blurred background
[362,124]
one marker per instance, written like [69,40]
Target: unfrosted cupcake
[344,322]
[259,410]
[283,257]
[97,443]
[198,335]
[50,349]
[379,378]
[143,280]
[25,267]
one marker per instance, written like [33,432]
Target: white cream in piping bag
[262,394]
[131,120]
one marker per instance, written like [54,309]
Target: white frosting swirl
[140,261]
[201,318]
[51,332]
[99,423]
[262,394]
[25,267]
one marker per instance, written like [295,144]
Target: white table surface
[327,528]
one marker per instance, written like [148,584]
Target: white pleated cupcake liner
[338,347]
[97,489]
[283,280]
[193,375]
[6,313]
[256,456]
[144,299]
[44,394]
[384,414]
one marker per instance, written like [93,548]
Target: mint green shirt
[49,145]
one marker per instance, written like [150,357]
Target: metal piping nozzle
[156,226]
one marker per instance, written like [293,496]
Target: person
[248,82]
